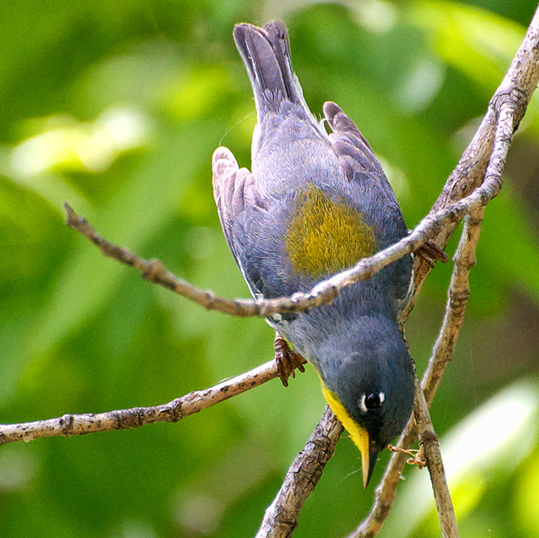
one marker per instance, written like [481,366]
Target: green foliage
[116,108]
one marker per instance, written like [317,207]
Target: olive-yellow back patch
[325,236]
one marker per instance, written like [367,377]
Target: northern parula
[315,204]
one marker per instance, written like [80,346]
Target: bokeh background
[116,107]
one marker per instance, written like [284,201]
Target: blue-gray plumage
[314,205]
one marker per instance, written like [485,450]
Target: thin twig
[323,293]
[194,402]
[458,296]
[280,519]
[430,445]
[517,86]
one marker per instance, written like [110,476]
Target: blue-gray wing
[234,190]
[371,191]
[251,227]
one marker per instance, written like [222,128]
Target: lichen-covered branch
[280,519]
[459,293]
[194,402]
[430,446]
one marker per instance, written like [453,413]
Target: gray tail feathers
[266,55]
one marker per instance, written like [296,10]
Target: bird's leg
[432,253]
[286,359]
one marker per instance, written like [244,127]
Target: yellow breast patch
[325,236]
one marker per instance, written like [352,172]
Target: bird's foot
[432,253]
[286,360]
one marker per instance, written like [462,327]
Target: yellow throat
[358,434]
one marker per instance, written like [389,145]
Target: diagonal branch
[280,519]
[458,296]
[194,402]
[517,86]
[323,293]
[430,445]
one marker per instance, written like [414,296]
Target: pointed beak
[369,454]
[369,449]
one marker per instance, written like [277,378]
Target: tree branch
[194,402]
[517,86]
[430,445]
[280,519]
[458,296]
[323,293]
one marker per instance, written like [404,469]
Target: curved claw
[286,359]
[432,253]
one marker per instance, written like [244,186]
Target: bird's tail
[266,55]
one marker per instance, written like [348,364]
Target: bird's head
[368,381]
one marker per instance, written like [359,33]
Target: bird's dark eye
[372,400]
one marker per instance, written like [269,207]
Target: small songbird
[314,205]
